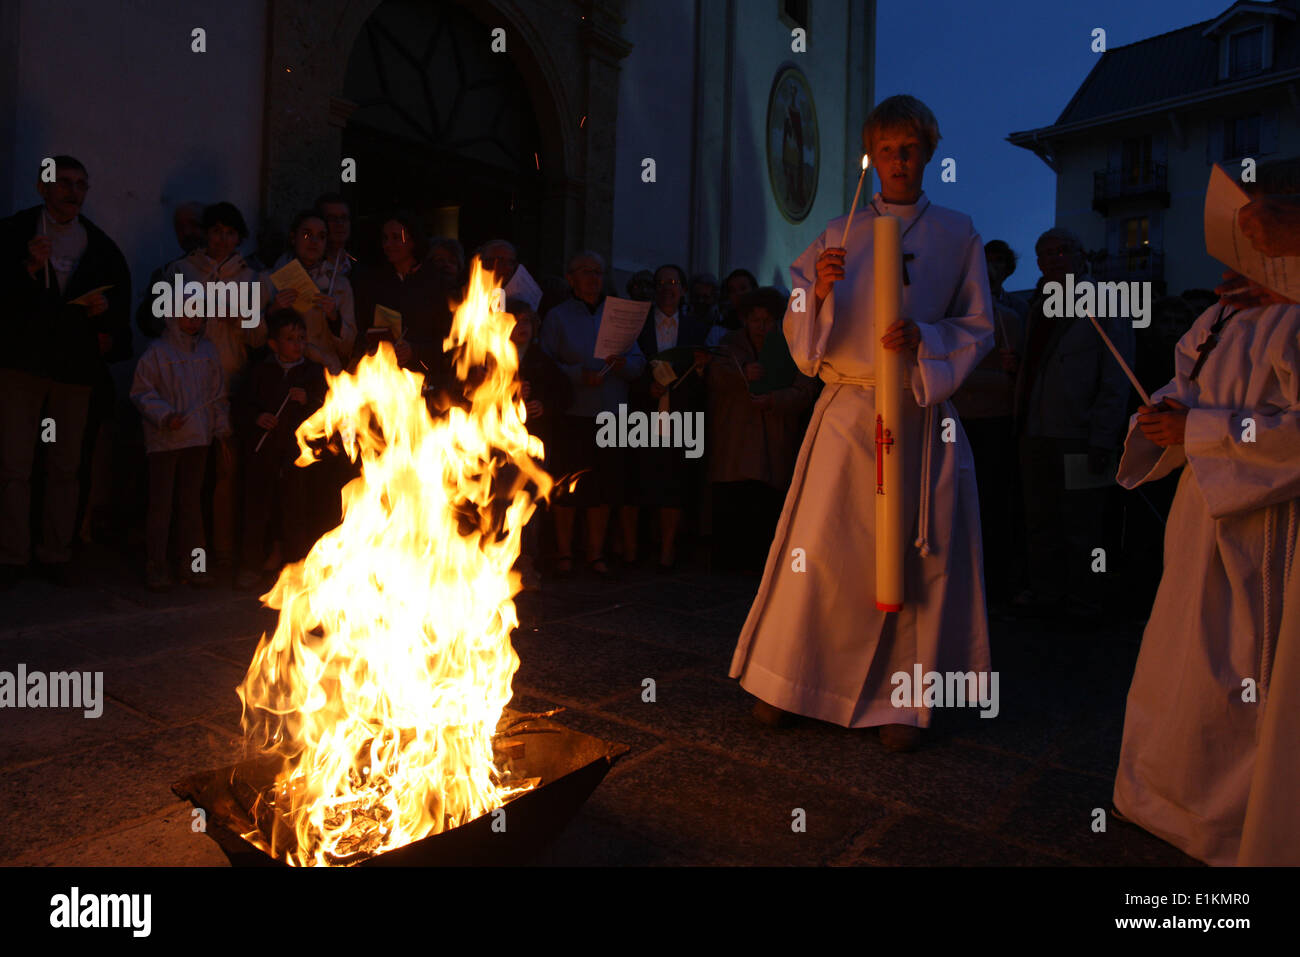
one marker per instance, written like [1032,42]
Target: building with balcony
[1134,147]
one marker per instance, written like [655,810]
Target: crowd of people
[197,451]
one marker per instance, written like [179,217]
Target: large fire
[386,676]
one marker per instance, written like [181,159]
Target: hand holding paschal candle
[903,334]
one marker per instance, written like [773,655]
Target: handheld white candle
[866,161]
[1146,399]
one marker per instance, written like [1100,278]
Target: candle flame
[866,161]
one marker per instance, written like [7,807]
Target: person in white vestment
[1210,760]
[814,643]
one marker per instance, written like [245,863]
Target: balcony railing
[1143,182]
[1130,265]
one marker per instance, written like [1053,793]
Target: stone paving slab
[702,783]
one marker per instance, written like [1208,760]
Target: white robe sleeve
[1234,475]
[1143,460]
[953,345]
[806,334]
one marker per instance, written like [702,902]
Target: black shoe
[771,715]
[58,573]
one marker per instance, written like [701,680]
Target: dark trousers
[1061,527]
[26,402]
[281,502]
[745,515]
[175,481]
[997,473]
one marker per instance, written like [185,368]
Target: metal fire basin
[568,763]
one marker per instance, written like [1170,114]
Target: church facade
[713,133]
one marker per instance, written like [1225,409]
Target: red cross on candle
[884,440]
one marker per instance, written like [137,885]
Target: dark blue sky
[991,68]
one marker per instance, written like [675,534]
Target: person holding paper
[1210,760]
[600,384]
[66,290]
[322,299]
[662,478]
[407,283]
[815,642]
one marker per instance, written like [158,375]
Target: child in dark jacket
[281,500]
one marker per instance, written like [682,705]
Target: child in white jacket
[180,391]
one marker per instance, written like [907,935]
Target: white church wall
[655,112]
[759,238]
[731,219]
[118,86]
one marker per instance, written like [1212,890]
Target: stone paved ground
[701,784]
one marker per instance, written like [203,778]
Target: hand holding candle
[866,161]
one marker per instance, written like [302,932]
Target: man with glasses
[334,209]
[61,327]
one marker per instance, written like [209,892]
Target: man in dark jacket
[60,325]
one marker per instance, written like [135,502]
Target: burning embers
[385,679]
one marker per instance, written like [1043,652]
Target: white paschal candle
[888,247]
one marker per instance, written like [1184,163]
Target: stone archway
[568,55]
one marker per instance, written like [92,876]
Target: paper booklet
[387,321]
[620,323]
[84,298]
[292,276]
[523,285]
[1225,241]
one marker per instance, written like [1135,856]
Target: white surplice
[814,642]
[1198,763]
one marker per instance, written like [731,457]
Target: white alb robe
[814,642]
[1198,763]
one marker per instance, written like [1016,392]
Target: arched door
[443,126]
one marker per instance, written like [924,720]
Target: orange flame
[387,673]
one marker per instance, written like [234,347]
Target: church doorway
[444,127]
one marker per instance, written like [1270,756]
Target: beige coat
[746,444]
